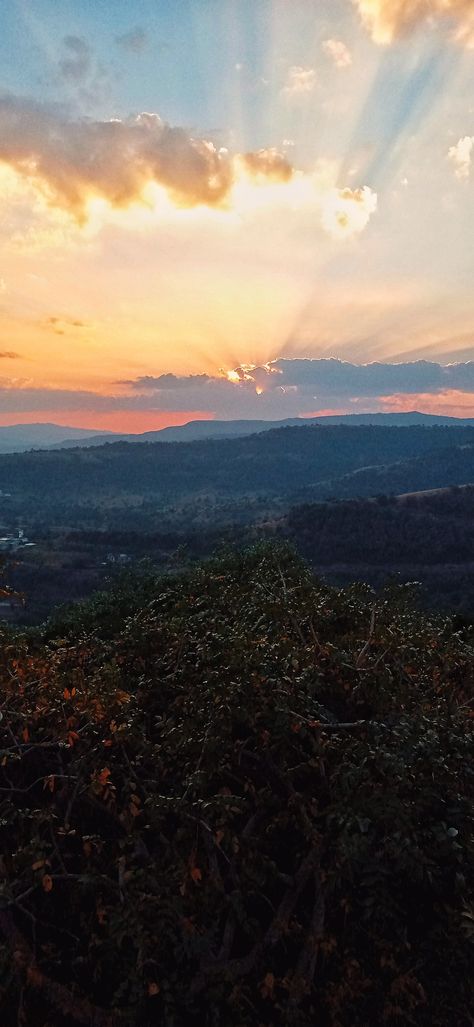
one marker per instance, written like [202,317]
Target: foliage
[244,800]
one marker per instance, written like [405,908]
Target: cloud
[388,20]
[299,82]
[268,164]
[347,212]
[461,156]
[59,325]
[135,41]
[165,381]
[76,66]
[9,355]
[338,52]
[73,162]
[79,159]
[282,388]
[111,159]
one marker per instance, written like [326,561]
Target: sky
[235,208]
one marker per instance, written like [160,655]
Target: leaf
[153,988]
[122,697]
[25,734]
[196,874]
[47,882]
[267,986]
[103,777]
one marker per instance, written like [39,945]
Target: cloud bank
[282,388]
[388,20]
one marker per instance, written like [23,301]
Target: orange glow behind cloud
[124,421]
[451,402]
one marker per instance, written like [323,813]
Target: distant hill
[18,438]
[312,462]
[195,430]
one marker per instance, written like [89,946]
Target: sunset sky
[195,195]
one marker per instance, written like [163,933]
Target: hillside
[424,527]
[237,797]
[425,536]
[276,462]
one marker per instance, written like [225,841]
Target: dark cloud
[332,376]
[282,388]
[135,41]
[76,65]
[166,381]
[8,354]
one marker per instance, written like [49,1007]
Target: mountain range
[20,438]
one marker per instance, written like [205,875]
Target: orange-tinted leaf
[153,988]
[25,734]
[267,985]
[47,882]
[122,697]
[103,777]
[196,875]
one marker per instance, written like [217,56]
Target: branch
[77,1007]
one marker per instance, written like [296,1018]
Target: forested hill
[277,461]
[237,797]
[416,529]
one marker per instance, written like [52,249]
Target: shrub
[250,805]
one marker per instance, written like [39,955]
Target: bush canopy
[237,797]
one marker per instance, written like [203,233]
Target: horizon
[197,201]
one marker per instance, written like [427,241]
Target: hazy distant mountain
[17,438]
[195,430]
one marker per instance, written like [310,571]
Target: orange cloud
[451,402]
[268,164]
[75,161]
[388,20]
